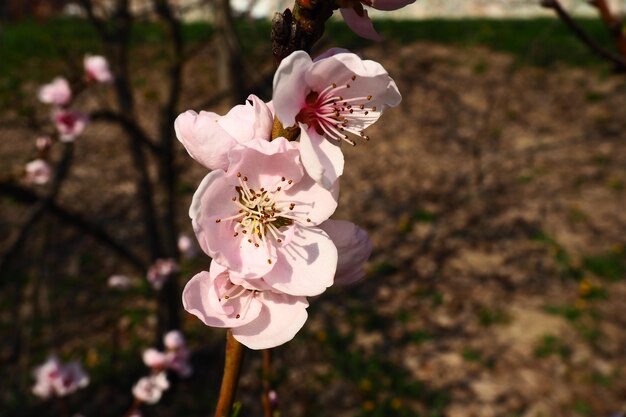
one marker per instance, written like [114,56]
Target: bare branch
[130,127]
[617,60]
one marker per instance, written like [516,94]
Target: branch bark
[230,378]
[615,59]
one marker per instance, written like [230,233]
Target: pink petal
[266,163]
[353,247]
[289,88]
[306,266]
[204,139]
[361,25]
[390,4]
[314,203]
[322,159]
[371,80]
[198,299]
[97,68]
[280,319]
[56,92]
[153,358]
[252,120]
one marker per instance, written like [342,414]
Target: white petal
[289,87]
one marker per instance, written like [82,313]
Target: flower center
[262,214]
[229,292]
[330,114]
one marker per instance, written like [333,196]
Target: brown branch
[617,60]
[74,219]
[267,376]
[131,127]
[230,379]
[612,23]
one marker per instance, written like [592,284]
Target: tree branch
[617,60]
[130,127]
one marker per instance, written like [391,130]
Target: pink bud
[97,69]
[43,143]
[38,172]
[56,92]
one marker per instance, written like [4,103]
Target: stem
[232,368]
[268,405]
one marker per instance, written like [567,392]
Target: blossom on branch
[208,137]
[38,172]
[357,19]
[260,318]
[57,92]
[160,271]
[54,379]
[260,219]
[69,124]
[97,69]
[149,389]
[333,100]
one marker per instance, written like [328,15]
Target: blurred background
[494,197]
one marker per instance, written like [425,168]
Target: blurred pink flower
[260,318]
[155,359]
[97,69]
[57,92]
[149,389]
[208,136]
[174,339]
[69,124]
[43,143]
[353,246]
[337,94]
[259,219]
[160,272]
[187,246]
[121,282]
[56,379]
[176,358]
[357,19]
[38,172]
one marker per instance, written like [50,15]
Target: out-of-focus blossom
[155,359]
[174,339]
[187,246]
[38,172]
[120,282]
[260,219]
[357,19]
[57,92]
[331,99]
[43,143]
[97,69]
[176,358]
[56,379]
[208,137]
[259,317]
[69,124]
[353,247]
[149,389]
[160,272]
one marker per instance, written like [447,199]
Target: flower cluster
[55,379]
[150,389]
[263,211]
[68,123]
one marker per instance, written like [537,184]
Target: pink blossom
[208,137]
[259,219]
[160,271]
[260,318]
[154,358]
[121,282]
[38,172]
[57,92]
[332,99]
[357,19]
[43,143]
[56,379]
[187,246]
[69,124]
[173,340]
[97,69]
[149,389]
[353,246]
